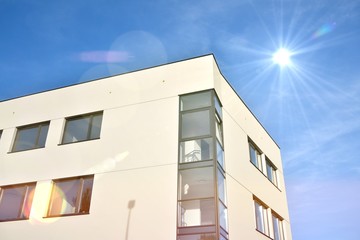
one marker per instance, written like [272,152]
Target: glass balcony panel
[204,236]
[223,216]
[221,186]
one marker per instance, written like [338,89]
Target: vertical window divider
[24,201]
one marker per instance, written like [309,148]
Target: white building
[169,152]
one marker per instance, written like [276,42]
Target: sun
[282,57]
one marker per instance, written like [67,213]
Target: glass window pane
[195,124]
[223,216]
[86,195]
[219,132]
[196,213]
[220,154]
[204,236]
[43,134]
[221,186]
[11,202]
[196,100]
[25,139]
[196,183]
[76,130]
[196,150]
[218,107]
[96,126]
[65,196]
[28,201]
[259,217]
[255,156]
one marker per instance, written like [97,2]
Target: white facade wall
[135,159]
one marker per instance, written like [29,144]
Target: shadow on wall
[131,205]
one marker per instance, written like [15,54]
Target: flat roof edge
[102,78]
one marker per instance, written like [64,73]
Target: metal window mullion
[25,197]
[52,198]
[79,196]
[90,126]
[38,135]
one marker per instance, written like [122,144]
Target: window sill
[14,219]
[263,234]
[66,215]
[86,140]
[25,150]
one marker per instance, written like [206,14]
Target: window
[255,156]
[195,124]
[196,150]
[271,172]
[278,227]
[0,133]
[261,217]
[82,128]
[71,196]
[15,201]
[31,136]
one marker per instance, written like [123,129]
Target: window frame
[39,127]
[89,127]
[280,228]
[79,196]
[264,217]
[258,152]
[26,200]
[273,171]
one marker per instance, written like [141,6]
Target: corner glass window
[71,196]
[194,101]
[195,124]
[196,150]
[30,137]
[82,128]
[15,201]
[220,154]
[196,213]
[223,216]
[196,183]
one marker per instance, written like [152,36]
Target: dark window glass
[71,196]
[195,124]
[30,137]
[196,100]
[255,156]
[15,201]
[82,128]
[271,172]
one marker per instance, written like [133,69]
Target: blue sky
[311,107]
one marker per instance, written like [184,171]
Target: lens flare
[282,57]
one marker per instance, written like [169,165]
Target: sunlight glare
[282,57]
